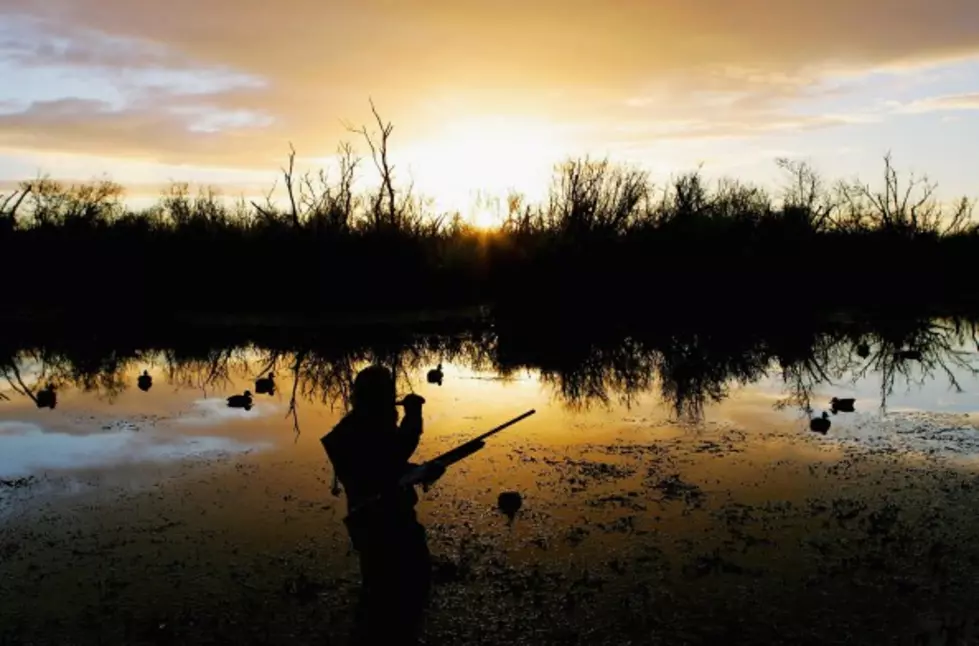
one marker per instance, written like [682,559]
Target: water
[672,488]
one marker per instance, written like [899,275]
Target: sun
[484,217]
[485,156]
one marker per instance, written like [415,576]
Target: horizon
[486,100]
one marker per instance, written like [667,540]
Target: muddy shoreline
[673,534]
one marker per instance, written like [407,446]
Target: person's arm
[410,431]
[409,434]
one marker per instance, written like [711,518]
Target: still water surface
[663,499]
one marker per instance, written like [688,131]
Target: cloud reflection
[28,449]
[213,411]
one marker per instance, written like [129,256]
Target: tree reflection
[688,367]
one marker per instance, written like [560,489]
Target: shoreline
[252,549]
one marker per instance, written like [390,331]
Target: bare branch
[288,173]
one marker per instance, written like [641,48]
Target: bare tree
[327,205]
[592,197]
[909,208]
[378,144]
[289,175]
[10,203]
[805,196]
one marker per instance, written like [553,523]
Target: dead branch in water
[20,388]
[293,399]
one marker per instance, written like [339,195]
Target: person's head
[374,390]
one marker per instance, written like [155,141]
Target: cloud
[232,81]
[177,134]
[941,103]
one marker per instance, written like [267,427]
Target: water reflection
[695,526]
[690,367]
[30,448]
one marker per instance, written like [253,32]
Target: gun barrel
[460,452]
[504,425]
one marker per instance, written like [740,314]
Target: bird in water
[509,502]
[47,398]
[265,385]
[145,382]
[842,405]
[907,355]
[863,350]
[241,401]
[820,424]
[435,375]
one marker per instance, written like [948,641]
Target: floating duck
[241,401]
[144,382]
[863,350]
[509,502]
[47,398]
[907,355]
[265,385]
[842,405]
[820,424]
[435,375]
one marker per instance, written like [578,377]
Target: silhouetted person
[265,385]
[370,452]
[145,382]
[47,398]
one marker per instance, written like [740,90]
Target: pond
[672,489]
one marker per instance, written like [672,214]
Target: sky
[486,95]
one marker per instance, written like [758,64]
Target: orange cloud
[425,61]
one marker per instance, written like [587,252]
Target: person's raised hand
[413,404]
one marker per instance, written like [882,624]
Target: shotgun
[417,475]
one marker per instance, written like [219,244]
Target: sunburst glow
[485,156]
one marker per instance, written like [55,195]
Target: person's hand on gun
[425,474]
[432,471]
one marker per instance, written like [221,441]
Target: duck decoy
[509,502]
[820,424]
[47,398]
[145,382]
[435,375]
[265,385]
[842,405]
[907,355]
[863,350]
[241,401]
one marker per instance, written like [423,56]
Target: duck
[863,350]
[47,398]
[908,355]
[509,502]
[145,382]
[265,385]
[842,405]
[241,401]
[435,375]
[820,424]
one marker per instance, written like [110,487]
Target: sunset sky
[487,94]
